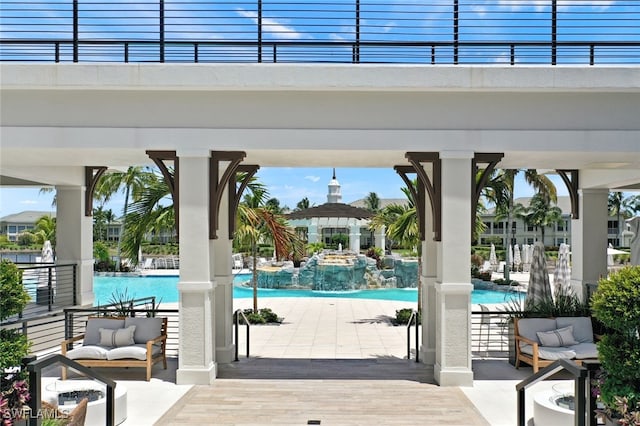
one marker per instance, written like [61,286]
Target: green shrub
[263,316]
[13,296]
[403,315]
[616,304]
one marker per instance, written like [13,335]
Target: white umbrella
[493,259]
[610,253]
[539,288]
[517,260]
[562,275]
[510,255]
[47,252]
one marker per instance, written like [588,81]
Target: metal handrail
[413,318]
[236,319]
[583,399]
[35,372]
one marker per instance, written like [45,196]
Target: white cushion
[117,338]
[582,327]
[549,353]
[557,337]
[92,333]
[585,350]
[146,328]
[138,351]
[88,352]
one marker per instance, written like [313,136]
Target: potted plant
[14,346]
[616,304]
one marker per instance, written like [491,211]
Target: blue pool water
[165,290]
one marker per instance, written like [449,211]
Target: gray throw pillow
[556,338]
[117,338]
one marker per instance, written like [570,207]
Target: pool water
[165,290]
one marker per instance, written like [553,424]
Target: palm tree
[132,182]
[402,225]
[303,204]
[258,222]
[372,202]
[44,230]
[540,214]
[622,207]
[505,178]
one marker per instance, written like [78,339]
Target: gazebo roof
[331,210]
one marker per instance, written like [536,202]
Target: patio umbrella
[47,252]
[510,256]
[562,275]
[634,226]
[493,259]
[517,260]
[539,288]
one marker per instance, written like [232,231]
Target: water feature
[339,271]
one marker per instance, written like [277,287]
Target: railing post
[417,336]
[580,400]
[356,48]
[75,30]
[235,322]
[259,31]
[521,407]
[554,31]
[456,31]
[161,30]
[75,284]
[50,287]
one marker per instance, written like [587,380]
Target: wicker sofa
[541,341]
[120,342]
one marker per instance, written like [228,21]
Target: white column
[354,238]
[589,239]
[312,232]
[428,275]
[197,322]
[453,284]
[74,238]
[221,261]
[380,237]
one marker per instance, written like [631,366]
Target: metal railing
[35,375]
[584,402]
[414,319]
[237,316]
[340,31]
[50,287]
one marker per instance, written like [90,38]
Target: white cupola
[334,195]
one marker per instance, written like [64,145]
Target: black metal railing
[341,31]
[50,287]
[238,318]
[35,375]
[414,320]
[584,402]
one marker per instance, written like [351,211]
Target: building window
[530,228]
[529,240]
[563,226]
[11,229]
[498,228]
[488,227]
[612,227]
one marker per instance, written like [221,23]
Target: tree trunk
[254,276]
[124,217]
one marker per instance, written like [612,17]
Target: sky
[289,185]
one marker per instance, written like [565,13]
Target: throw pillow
[117,338]
[559,337]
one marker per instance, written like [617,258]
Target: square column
[196,364]
[453,284]
[74,238]
[428,276]
[381,238]
[354,238]
[589,239]
[221,261]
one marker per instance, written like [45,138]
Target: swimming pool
[165,290]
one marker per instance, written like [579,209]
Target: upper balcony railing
[515,32]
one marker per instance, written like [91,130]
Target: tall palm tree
[622,207]
[303,204]
[372,202]
[257,222]
[401,222]
[506,179]
[540,213]
[132,182]
[44,230]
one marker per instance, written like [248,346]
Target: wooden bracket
[217,184]
[159,158]
[477,184]
[570,178]
[432,186]
[91,176]
[418,196]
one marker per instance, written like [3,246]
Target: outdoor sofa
[120,342]
[541,341]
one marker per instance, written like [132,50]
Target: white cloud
[28,202]
[271,25]
[312,178]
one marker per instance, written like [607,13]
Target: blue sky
[289,185]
